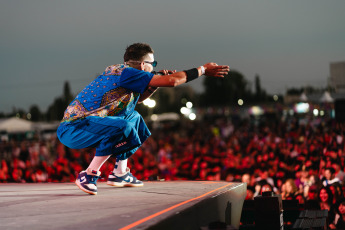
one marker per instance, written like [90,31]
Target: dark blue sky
[45,43]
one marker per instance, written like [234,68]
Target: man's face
[150,58]
[328,174]
[143,65]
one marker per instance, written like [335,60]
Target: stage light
[256,110]
[192,116]
[185,111]
[302,107]
[149,102]
[152,103]
[146,101]
[154,117]
[240,102]
[189,105]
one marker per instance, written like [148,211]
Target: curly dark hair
[137,51]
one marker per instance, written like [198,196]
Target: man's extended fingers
[226,68]
[217,70]
[221,67]
[223,72]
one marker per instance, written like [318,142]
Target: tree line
[217,92]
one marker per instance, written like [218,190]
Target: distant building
[337,76]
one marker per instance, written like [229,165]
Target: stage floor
[64,206]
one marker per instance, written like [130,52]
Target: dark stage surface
[153,206]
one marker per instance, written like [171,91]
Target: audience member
[339,220]
[329,177]
[290,190]
[325,198]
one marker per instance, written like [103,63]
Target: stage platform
[156,205]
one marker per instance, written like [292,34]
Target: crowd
[299,160]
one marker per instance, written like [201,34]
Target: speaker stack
[339,108]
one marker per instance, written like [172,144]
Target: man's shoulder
[115,69]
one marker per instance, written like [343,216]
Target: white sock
[97,162]
[120,166]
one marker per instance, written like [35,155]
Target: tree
[260,94]
[67,95]
[57,109]
[294,91]
[257,85]
[225,91]
[35,113]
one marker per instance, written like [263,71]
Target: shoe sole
[83,189]
[115,184]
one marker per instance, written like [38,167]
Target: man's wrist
[192,74]
[202,70]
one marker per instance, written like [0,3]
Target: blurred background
[276,117]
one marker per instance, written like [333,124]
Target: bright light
[152,104]
[192,116]
[189,105]
[275,97]
[185,110]
[256,110]
[149,102]
[322,113]
[154,117]
[146,101]
[315,112]
[302,107]
[240,102]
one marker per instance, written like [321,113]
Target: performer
[103,116]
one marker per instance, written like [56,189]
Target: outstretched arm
[151,89]
[178,78]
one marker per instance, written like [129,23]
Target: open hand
[214,70]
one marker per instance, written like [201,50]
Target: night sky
[45,43]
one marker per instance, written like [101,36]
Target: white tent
[165,117]
[326,98]
[39,126]
[15,125]
[303,97]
